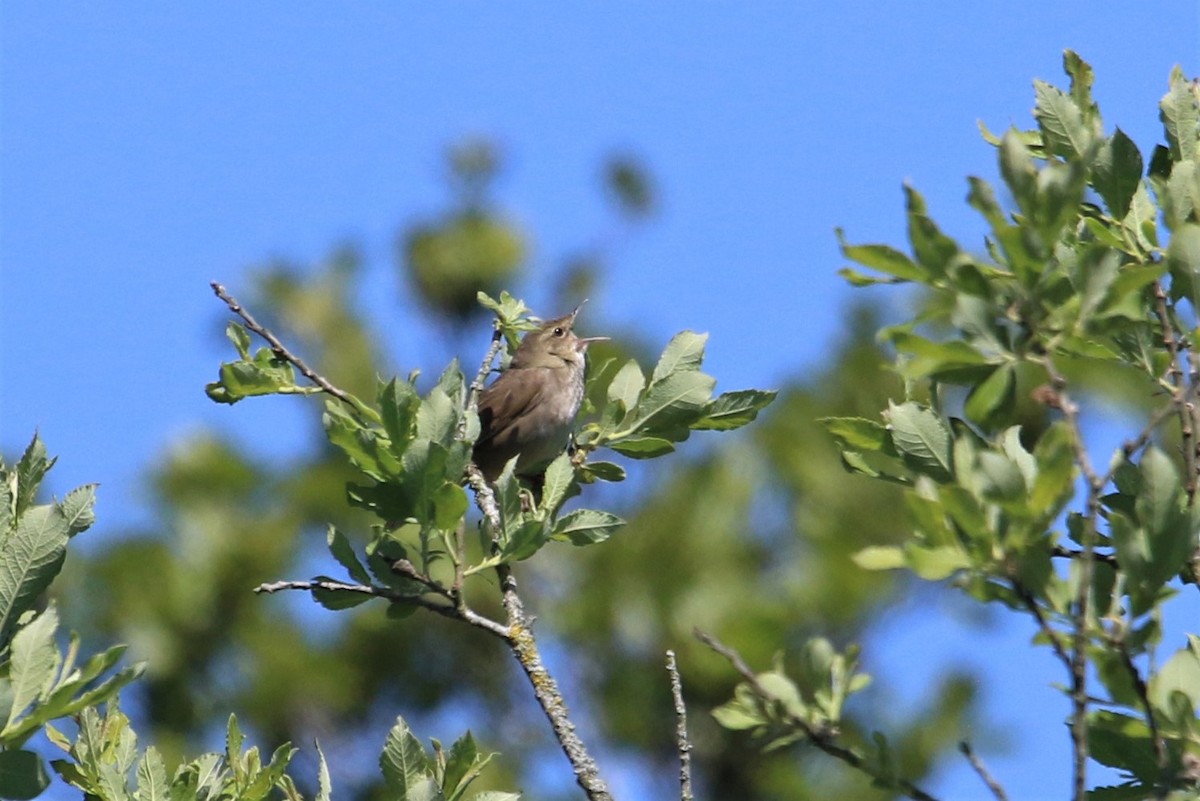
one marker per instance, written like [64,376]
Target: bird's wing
[505,401]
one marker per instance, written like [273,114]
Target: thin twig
[281,351]
[981,769]
[407,569]
[1050,634]
[445,610]
[1063,552]
[1143,694]
[1174,375]
[682,744]
[821,739]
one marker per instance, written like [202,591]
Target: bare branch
[821,739]
[1031,604]
[982,770]
[1063,552]
[682,744]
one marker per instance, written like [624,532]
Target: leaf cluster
[38,682]
[1093,269]
[413,451]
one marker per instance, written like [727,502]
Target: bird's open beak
[582,343]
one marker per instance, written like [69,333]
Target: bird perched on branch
[528,411]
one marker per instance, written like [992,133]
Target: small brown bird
[529,410]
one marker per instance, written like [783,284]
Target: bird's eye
[558,332]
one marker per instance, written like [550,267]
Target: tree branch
[1179,392]
[682,744]
[281,352]
[821,739]
[981,769]
[445,610]
[1142,692]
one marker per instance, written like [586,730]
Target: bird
[529,410]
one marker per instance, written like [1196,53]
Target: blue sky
[146,149]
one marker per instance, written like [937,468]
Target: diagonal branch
[821,739]
[282,353]
[445,610]
[682,744]
[981,769]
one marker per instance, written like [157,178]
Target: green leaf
[404,763]
[604,471]
[1141,223]
[344,553]
[437,418]
[1183,262]
[642,447]
[152,781]
[237,334]
[922,438]
[685,352]
[1161,509]
[22,775]
[1019,173]
[31,558]
[677,398]
[34,663]
[933,249]
[883,258]
[1001,479]
[265,374]
[991,402]
[233,742]
[524,540]
[398,404]
[31,469]
[449,505]
[1180,116]
[947,361]
[856,278]
[935,564]
[1122,742]
[743,711]
[586,526]
[463,765]
[627,385]
[324,784]
[507,308]
[880,557]
[858,433]
[77,508]
[364,445]
[1117,173]
[1063,127]
[559,477]
[731,410]
[1181,199]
